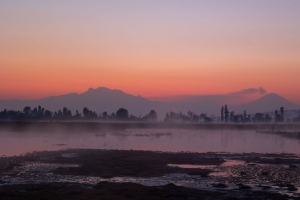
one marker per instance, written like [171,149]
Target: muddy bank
[106,190]
[112,163]
[120,174]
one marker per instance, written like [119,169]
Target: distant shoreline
[122,125]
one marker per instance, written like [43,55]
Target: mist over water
[17,143]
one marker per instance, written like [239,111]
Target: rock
[265,173]
[11,166]
[293,167]
[245,187]
[278,160]
[292,188]
[243,173]
[60,168]
[266,187]
[281,185]
[220,185]
[171,185]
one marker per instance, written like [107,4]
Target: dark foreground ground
[43,175]
[106,190]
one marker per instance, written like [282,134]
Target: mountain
[99,100]
[267,103]
[104,99]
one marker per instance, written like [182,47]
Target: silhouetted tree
[232,116]
[208,119]
[258,118]
[167,118]
[152,116]
[34,112]
[268,118]
[122,114]
[89,114]
[222,113]
[133,118]
[113,116]
[104,115]
[77,115]
[48,114]
[226,114]
[277,116]
[195,118]
[67,113]
[281,114]
[86,112]
[59,113]
[27,110]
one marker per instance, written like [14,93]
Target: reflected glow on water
[16,143]
[227,163]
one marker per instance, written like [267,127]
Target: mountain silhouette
[267,103]
[99,100]
[104,99]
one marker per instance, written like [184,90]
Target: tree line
[40,113]
[227,116]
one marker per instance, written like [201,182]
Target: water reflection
[227,163]
[16,143]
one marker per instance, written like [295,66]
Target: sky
[151,48]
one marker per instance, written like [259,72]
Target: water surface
[16,143]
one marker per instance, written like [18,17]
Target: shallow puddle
[225,164]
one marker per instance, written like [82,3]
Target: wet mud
[120,174]
[107,190]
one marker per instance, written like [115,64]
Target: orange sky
[149,49]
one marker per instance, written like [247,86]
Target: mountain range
[104,99]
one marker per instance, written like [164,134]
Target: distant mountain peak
[267,103]
[273,94]
[90,90]
[105,92]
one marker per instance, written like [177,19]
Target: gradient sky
[149,47]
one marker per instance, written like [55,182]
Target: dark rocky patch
[243,173]
[220,185]
[114,191]
[267,187]
[243,187]
[264,173]
[112,163]
[293,167]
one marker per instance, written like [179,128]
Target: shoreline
[121,125]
